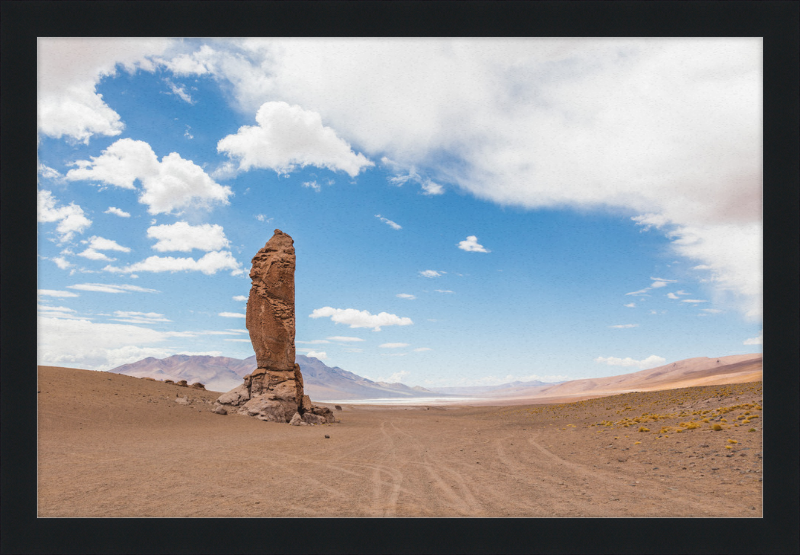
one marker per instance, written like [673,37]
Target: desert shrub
[732,441]
[728,447]
[637,443]
[751,430]
[745,422]
[705,420]
[716,427]
[643,429]
[753,416]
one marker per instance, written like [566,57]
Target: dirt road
[112,445]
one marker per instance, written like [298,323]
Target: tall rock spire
[274,391]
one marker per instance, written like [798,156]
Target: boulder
[219,409]
[198,385]
[182,400]
[182,383]
[235,396]
[297,420]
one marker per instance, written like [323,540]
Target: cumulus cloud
[117,212]
[321,355]
[232,315]
[650,362]
[54,293]
[668,129]
[68,70]
[345,339]
[405,296]
[109,288]
[287,137]
[262,218]
[240,298]
[393,345]
[209,264]
[97,244]
[430,273]
[61,262]
[388,222]
[631,305]
[71,219]
[624,326]
[470,244]
[168,186]
[755,340]
[360,318]
[183,237]
[672,296]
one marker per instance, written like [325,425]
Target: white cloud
[54,293]
[180,92]
[95,346]
[631,305]
[321,355]
[209,264]
[68,70]
[711,310]
[288,137]
[430,273]
[117,212]
[650,362]
[263,218]
[345,339]
[672,296]
[360,318]
[668,129]
[61,262]
[353,350]
[624,326]
[92,254]
[183,237]
[238,331]
[397,377]
[139,317]
[314,342]
[232,315]
[312,185]
[108,288]
[239,340]
[755,340]
[405,296]
[693,301]
[640,292]
[240,298]
[172,185]
[71,218]
[470,244]
[404,174]
[422,349]
[393,345]
[49,173]
[443,291]
[388,222]
[682,292]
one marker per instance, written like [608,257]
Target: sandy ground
[113,445]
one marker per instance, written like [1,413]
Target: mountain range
[322,382]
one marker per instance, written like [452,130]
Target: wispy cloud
[623,326]
[650,362]
[393,345]
[430,273]
[631,305]
[405,296]
[388,222]
[755,340]
[232,315]
[109,288]
[345,339]
[54,293]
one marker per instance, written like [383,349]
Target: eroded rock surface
[274,391]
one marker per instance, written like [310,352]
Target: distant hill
[321,382]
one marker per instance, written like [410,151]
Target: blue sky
[464,212]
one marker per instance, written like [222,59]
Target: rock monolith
[274,391]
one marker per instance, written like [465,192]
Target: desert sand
[116,446]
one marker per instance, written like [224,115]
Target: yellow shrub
[732,441]
[643,429]
[751,430]
[716,427]
[637,443]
